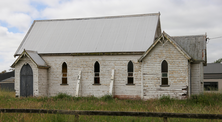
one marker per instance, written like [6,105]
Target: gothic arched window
[64,73]
[96,73]
[130,72]
[164,71]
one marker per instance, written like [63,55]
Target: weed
[207,103]
[166,100]
[107,98]
[62,96]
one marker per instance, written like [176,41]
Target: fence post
[165,119]
[76,118]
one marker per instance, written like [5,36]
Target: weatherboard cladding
[166,37]
[133,33]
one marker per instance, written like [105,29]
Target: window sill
[64,84]
[96,84]
[164,85]
[130,84]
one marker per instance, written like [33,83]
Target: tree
[3,72]
[218,60]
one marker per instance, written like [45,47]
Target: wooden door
[26,81]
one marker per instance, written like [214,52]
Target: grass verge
[207,103]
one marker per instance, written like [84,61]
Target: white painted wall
[196,78]
[47,82]
[177,72]
[86,65]
[42,82]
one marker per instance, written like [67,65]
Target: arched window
[130,72]
[64,73]
[96,73]
[164,70]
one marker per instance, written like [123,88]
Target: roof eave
[25,53]
[16,53]
[172,42]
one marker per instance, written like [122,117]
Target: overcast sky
[178,17]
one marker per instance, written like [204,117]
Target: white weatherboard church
[124,56]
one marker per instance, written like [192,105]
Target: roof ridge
[188,35]
[31,51]
[102,17]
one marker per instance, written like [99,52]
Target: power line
[215,37]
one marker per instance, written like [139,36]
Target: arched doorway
[26,81]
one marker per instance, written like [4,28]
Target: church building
[128,57]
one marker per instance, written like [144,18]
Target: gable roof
[168,38]
[8,80]
[130,33]
[34,57]
[7,75]
[194,45]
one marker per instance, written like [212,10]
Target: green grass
[208,103]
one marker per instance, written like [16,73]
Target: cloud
[178,17]
[17,14]
[9,42]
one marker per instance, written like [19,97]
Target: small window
[164,71]
[130,73]
[96,73]
[64,73]
[210,86]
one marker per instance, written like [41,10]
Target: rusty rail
[116,113]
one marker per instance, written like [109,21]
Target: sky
[178,18]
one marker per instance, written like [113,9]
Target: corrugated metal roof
[36,58]
[164,36]
[7,75]
[213,68]
[212,75]
[132,33]
[8,80]
[194,45]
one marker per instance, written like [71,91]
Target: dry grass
[207,103]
